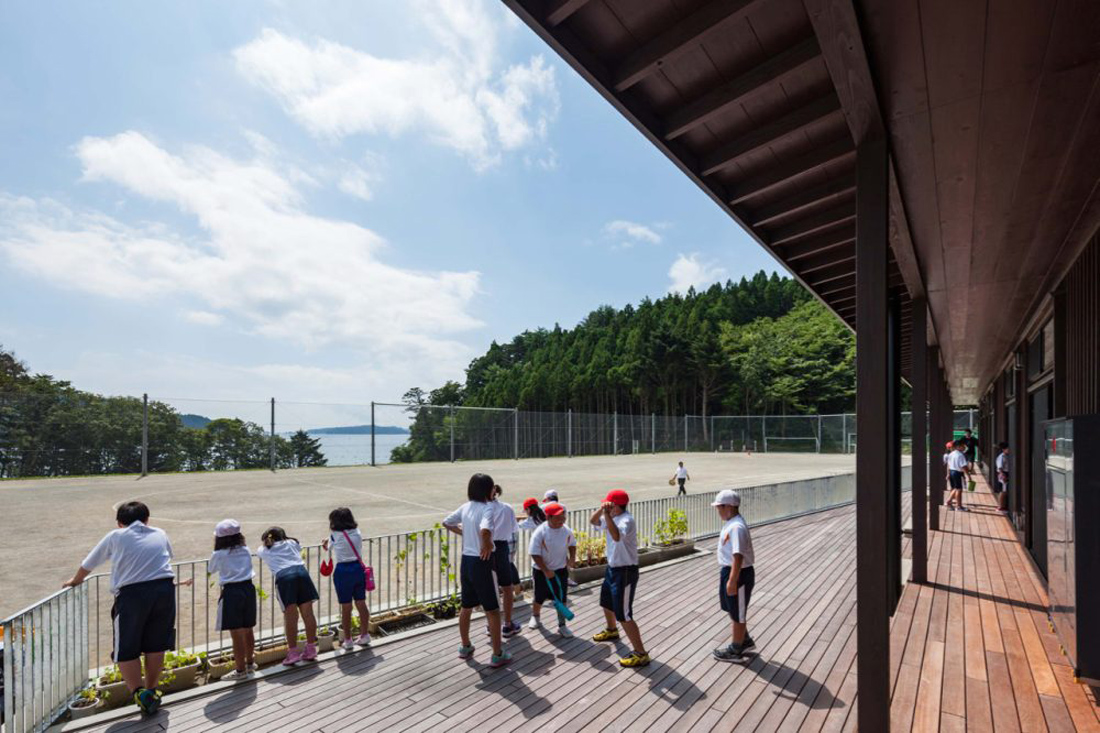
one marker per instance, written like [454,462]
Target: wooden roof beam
[840,271]
[838,151]
[827,259]
[702,109]
[794,251]
[835,189]
[813,224]
[678,39]
[560,10]
[764,135]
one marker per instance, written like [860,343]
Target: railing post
[452,433]
[515,432]
[569,434]
[844,431]
[145,434]
[819,432]
[271,447]
[615,433]
[764,431]
[372,432]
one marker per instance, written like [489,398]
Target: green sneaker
[465,652]
[499,660]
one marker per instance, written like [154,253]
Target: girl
[474,522]
[553,551]
[232,563]
[535,514]
[294,589]
[504,530]
[347,576]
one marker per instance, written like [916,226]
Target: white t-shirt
[529,524]
[474,516]
[281,555]
[231,566]
[625,551]
[138,553]
[552,545]
[341,550]
[735,540]
[681,472]
[1002,463]
[504,522]
[956,461]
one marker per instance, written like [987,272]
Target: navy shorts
[350,583]
[955,478]
[144,616]
[293,586]
[617,591]
[737,606]
[515,574]
[542,585]
[237,606]
[502,557]
[479,583]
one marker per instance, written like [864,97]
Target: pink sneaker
[293,656]
[363,640]
[310,654]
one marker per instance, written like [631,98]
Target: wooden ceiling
[761,103]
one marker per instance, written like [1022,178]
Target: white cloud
[357,182]
[260,259]
[458,93]
[689,272]
[629,233]
[203,318]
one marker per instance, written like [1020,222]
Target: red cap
[950,444]
[553,509]
[528,503]
[618,496]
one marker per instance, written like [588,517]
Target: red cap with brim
[950,444]
[618,496]
[528,503]
[553,509]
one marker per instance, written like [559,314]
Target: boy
[737,576]
[553,551]
[1002,464]
[621,580]
[551,495]
[971,447]
[681,476]
[144,610]
[505,527]
[957,466]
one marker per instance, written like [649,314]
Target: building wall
[1082,332]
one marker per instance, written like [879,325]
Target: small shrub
[673,528]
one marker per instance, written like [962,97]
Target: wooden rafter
[560,10]
[833,190]
[834,152]
[813,224]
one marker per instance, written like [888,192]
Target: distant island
[359,430]
[197,422]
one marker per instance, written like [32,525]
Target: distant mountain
[359,430]
[195,421]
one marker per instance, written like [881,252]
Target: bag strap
[352,545]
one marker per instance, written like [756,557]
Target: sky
[321,202]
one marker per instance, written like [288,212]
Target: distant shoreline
[359,430]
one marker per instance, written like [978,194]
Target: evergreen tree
[306,451]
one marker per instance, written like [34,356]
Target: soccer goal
[779,444]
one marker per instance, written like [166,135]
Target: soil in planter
[396,626]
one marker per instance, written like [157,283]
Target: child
[621,580]
[551,495]
[232,563]
[1002,477]
[947,473]
[535,514]
[504,528]
[348,575]
[736,576]
[681,476]
[144,610]
[474,522]
[295,591]
[957,466]
[553,551]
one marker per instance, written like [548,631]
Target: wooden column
[935,431]
[873,428]
[920,444]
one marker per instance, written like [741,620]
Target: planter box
[646,556]
[113,694]
[182,678]
[326,640]
[219,667]
[389,618]
[404,623]
[270,655]
[82,708]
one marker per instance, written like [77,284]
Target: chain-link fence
[52,435]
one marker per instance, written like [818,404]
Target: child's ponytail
[274,535]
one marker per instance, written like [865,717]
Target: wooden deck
[971,650]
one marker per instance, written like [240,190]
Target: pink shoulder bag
[368,571]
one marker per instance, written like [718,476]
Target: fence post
[272,446]
[685,433]
[145,434]
[615,433]
[653,432]
[764,431]
[515,431]
[819,432]
[712,438]
[452,433]
[844,429]
[372,432]
[569,434]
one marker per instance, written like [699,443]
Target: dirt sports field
[47,526]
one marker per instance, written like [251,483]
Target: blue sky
[325,201]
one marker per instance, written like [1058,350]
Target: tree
[306,451]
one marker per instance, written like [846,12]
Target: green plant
[591,550]
[89,696]
[181,658]
[110,675]
[672,528]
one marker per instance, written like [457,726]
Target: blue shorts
[617,591]
[479,583]
[955,478]
[237,606]
[502,557]
[351,584]
[144,616]
[293,586]
[737,606]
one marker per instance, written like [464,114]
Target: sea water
[354,450]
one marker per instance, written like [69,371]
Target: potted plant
[270,652]
[86,703]
[326,639]
[397,616]
[110,688]
[670,535]
[591,558]
[181,670]
[219,666]
[445,608]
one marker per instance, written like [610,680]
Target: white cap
[550,495]
[227,528]
[727,497]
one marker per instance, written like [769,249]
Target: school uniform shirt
[956,461]
[281,555]
[624,552]
[504,522]
[1002,463]
[138,553]
[231,566]
[552,545]
[529,524]
[474,516]
[681,472]
[735,540]
[341,550]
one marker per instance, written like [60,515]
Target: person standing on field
[682,477]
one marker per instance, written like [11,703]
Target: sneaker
[509,630]
[951,507]
[363,640]
[729,653]
[607,635]
[310,654]
[748,643]
[349,645]
[465,652]
[533,623]
[635,660]
[499,660]
[565,632]
[252,667]
[963,509]
[293,656]
[572,583]
[146,700]
[237,675]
